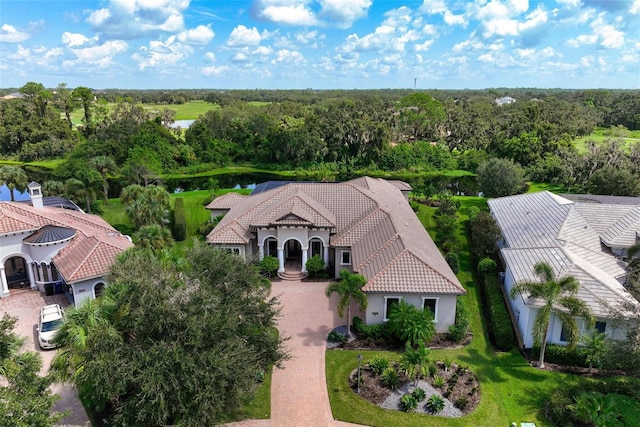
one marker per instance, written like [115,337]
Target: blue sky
[321,44]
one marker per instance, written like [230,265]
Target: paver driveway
[299,396]
[25,305]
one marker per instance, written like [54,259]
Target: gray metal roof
[50,234]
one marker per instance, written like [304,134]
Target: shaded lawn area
[510,389]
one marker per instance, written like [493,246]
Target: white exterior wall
[524,314]
[446,308]
[217,212]
[84,291]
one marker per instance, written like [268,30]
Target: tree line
[331,132]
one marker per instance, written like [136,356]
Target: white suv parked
[51,317]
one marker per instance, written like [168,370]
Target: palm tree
[595,345]
[348,288]
[415,361]
[559,298]
[410,324]
[154,237]
[14,178]
[105,165]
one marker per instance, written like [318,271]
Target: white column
[5,285]
[32,279]
[304,259]
[260,251]
[280,260]
[325,256]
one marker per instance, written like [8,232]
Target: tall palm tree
[105,165]
[14,178]
[559,298]
[348,288]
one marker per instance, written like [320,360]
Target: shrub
[378,365]
[411,325]
[370,332]
[438,381]
[461,402]
[500,326]
[561,355]
[390,378]
[453,261]
[435,404]
[179,221]
[336,337]
[314,265]
[269,265]
[419,394]
[447,364]
[486,266]
[408,403]
[458,331]
[432,369]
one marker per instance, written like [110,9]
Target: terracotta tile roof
[226,201]
[89,254]
[371,216]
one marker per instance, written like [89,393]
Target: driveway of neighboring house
[25,305]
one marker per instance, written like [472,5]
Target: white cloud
[343,13]
[287,12]
[215,70]
[129,19]
[199,35]
[73,40]
[9,34]
[210,57]
[100,56]
[635,7]
[289,57]
[423,47]
[263,51]
[243,36]
[161,54]
[605,34]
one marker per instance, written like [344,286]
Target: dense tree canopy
[170,345]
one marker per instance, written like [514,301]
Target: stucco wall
[83,291]
[446,308]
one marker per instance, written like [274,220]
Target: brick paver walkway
[25,305]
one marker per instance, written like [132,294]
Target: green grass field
[601,135]
[188,111]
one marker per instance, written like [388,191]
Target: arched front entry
[292,255]
[15,270]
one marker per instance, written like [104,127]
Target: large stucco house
[364,225]
[44,247]
[581,236]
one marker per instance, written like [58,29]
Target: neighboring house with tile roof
[43,247]
[583,239]
[364,225]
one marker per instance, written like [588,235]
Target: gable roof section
[624,232]
[369,215]
[226,201]
[88,257]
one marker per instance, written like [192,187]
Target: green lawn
[601,135]
[188,111]
[510,389]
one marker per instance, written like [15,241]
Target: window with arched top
[98,289]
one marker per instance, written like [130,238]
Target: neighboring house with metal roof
[364,225]
[584,239]
[55,248]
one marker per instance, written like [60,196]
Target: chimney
[35,191]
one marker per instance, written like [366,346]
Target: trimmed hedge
[562,356]
[179,221]
[500,328]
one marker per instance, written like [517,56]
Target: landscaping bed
[456,385]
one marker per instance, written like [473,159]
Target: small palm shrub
[432,369]
[435,404]
[390,378]
[438,381]
[408,403]
[419,394]
[447,364]
[461,403]
[378,365]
